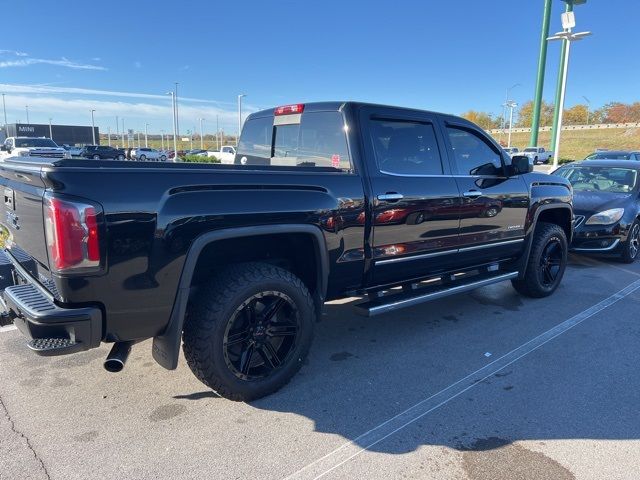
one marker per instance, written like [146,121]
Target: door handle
[390,197]
[472,194]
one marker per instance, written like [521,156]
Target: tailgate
[22,191]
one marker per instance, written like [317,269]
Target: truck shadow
[362,372]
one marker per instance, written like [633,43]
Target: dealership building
[61,134]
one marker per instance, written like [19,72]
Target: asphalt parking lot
[486,385]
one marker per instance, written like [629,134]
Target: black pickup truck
[324,201]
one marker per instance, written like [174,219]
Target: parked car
[73,150]
[248,253]
[511,150]
[606,205]
[537,154]
[145,153]
[102,152]
[614,155]
[226,155]
[38,147]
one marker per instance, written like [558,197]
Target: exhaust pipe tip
[117,357]
[113,365]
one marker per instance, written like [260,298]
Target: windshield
[530,149]
[35,142]
[600,179]
[609,156]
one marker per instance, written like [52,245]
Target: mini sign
[335,161]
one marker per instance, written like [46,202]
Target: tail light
[289,109]
[72,234]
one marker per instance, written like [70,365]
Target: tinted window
[318,140]
[255,141]
[405,147]
[473,155]
[35,142]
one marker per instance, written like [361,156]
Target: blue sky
[119,58]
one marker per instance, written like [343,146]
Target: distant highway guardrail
[598,126]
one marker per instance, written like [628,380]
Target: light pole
[588,107]
[4,107]
[511,105]
[162,139]
[50,130]
[507,93]
[176,114]
[109,135]
[146,133]
[217,133]
[118,130]
[123,133]
[201,135]
[567,37]
[27,109]
[175,132]
[239,117]
[138,139]
[93,127]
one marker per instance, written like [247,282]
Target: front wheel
[121,157]
[142,158]
[546,264]
[248,331]
[96,157]
[631,247]
[163,158]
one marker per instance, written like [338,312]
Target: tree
[525,115]
[576,115]
[482,119]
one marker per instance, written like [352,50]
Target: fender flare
[529,238]
[166,347]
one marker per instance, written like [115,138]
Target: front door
[416,201]
[494,206]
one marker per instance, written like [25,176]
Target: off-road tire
[533,284]
[628,254]
[213,308]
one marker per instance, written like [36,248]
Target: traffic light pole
[542,61]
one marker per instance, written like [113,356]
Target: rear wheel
[120,157]
[249,330]
[546,264]
[142,158]
[631,247]
[96,157]
[163,158]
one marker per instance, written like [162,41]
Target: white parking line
[8,328]
[341,455]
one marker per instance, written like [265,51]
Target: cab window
[473,155]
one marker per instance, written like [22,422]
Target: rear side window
[405,147]
[473,155]
[314,139]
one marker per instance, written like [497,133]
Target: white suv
[145,153]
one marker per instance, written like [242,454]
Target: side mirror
[521,164]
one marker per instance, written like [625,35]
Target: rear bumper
[50,328]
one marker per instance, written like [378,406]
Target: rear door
[494,206]
[416,199]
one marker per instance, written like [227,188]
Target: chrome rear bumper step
[414,296]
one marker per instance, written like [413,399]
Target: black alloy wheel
[550,262]
[261,335]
